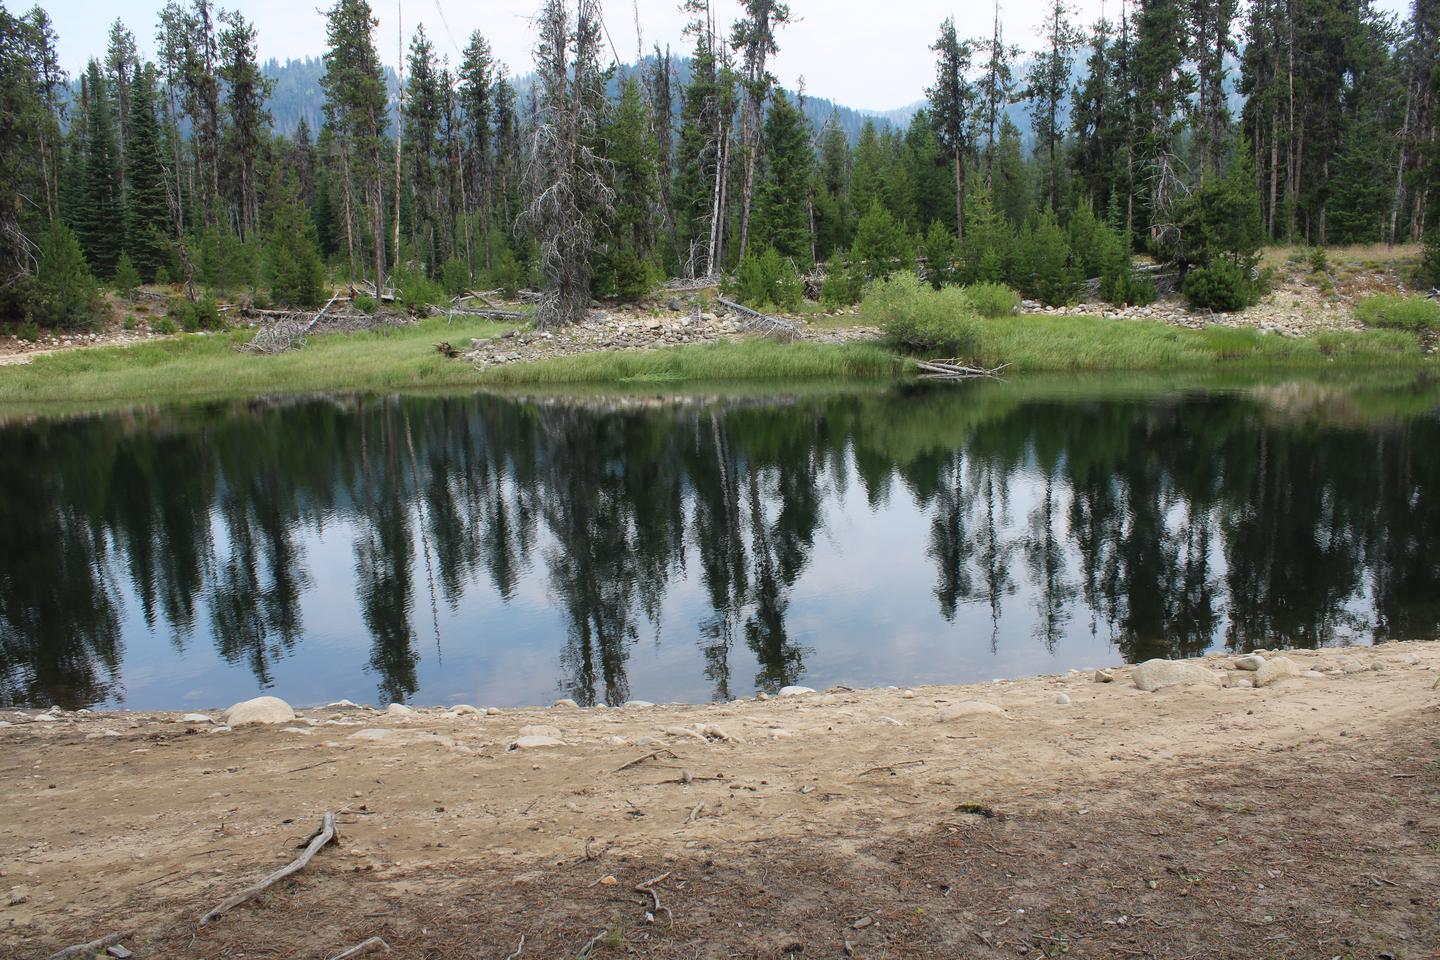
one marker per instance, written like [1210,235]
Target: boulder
[567,704]
[535,730]
[970,708]
[795,691]
[194,718]
[374,733]
[1251,662]
[536,743]
[399,710]
[464,710]
[261,710]
[1104,676]
[1063,700]
[1155,675]
[637,704]
[779,733]
[342,705]
[1240,682]
[1276,669]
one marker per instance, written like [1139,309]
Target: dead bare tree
[567,174]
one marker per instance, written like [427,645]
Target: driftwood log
[762,323]
[955,370]
[326,834]
[484,314]
[88,950]
[365,946]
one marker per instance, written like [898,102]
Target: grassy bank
[1035,344]
[202,367]
[1029,344]
[404,358]
[745,360]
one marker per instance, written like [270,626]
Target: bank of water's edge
[204,367]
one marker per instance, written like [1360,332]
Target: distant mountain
[296,94]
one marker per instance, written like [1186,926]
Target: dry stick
[891,766]
[695,813]
[649,887]
[363,947]
[649,756]
[325,835]
[88,950]
[585,950]
[764,323]
[314,765]
[518,949]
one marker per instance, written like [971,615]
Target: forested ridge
[598,180]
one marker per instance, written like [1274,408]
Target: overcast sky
[861,53]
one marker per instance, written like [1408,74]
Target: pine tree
[753,38]
[1049,82]
[355,110]
[247,91]
[147,212]
[424,98]
[635,173]
[121,62]
[951,107]
[99,224]
[293,266]
[477,105]
[1163,86]
[997,84]
[1093,121]
[65,290]
[781,219]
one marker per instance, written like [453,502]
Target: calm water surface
[504,552]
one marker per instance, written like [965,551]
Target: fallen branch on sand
[88,950]
[362,947]
[324,835]
[762,323]
[955,370]
[649,756]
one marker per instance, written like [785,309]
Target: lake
[503,551]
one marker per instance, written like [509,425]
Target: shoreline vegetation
[889,799]
[404,357]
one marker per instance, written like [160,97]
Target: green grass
[742,360]
[1399,313]
[1061,343]
[206,367]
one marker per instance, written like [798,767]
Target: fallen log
[484,314]
[326,834]
[88,950]
[954,370]
[761,322]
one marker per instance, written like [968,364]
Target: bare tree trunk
[349,208]
[959,194]
[1400,164]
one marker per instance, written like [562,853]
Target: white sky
[860,53]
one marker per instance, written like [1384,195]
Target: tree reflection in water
[1162,524]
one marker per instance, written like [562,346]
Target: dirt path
[1297,820]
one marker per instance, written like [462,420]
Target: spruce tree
[781,219]
[247,90]
[65,290]
[629,269]
[147,212]
[951,105]
[1049,82]
[99,221]
[293,267]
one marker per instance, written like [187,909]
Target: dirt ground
[1301,819]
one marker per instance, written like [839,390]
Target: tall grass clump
[992,300]
[1399,313]
[916,317]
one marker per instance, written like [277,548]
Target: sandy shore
[1002,819]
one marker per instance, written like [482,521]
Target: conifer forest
[1193,132]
